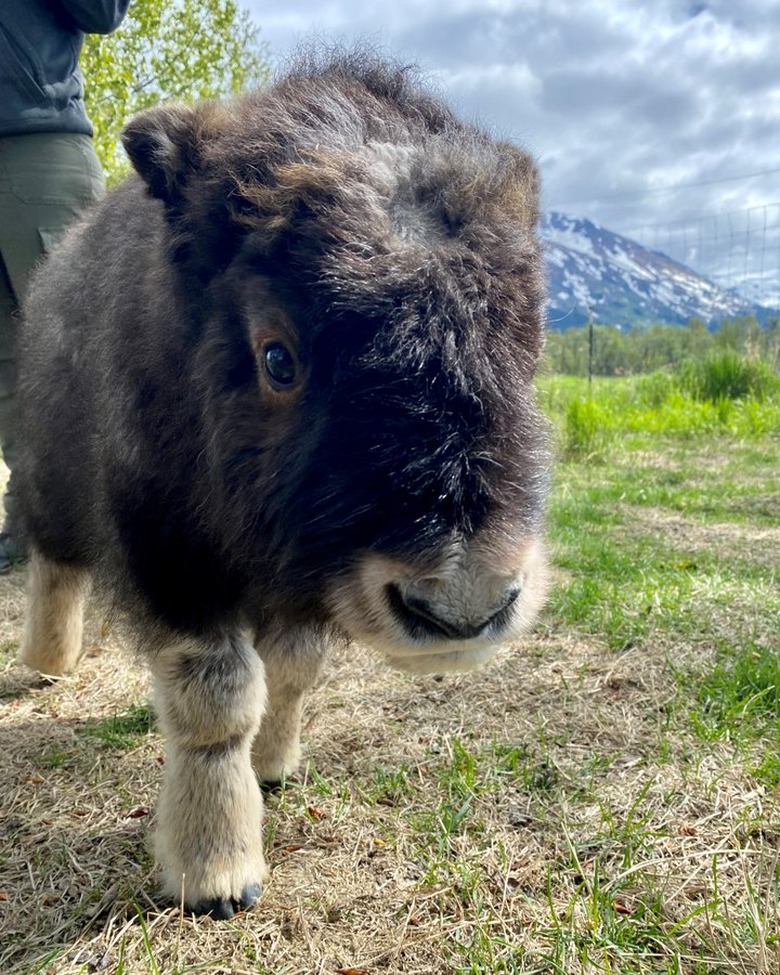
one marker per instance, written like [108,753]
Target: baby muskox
[276,392]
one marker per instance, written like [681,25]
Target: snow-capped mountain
[592,271]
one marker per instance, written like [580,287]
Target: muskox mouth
[421,622]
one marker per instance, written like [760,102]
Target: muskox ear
[521,185]
[166,144]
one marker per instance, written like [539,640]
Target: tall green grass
[722,394]
[727,376]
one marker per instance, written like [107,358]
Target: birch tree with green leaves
[185,50]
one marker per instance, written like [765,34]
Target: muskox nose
[422,616]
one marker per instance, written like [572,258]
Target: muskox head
[369,335]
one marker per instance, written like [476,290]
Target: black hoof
[222,908]
[272,787]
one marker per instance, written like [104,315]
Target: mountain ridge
[596,273]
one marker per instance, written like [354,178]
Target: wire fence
[737,250]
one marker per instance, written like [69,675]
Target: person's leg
[46,181]
[8,309]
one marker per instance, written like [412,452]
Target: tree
[184,50]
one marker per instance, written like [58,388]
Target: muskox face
[371,335]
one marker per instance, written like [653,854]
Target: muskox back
[276,389]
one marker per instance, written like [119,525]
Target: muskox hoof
[275,786]
[272,788]
[221,908]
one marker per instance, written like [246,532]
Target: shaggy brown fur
[277,391]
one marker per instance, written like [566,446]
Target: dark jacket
[41,88]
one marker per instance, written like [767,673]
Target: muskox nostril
[417,616]
[500,617]
[421,609]
[420,618]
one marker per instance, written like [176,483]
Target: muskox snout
[425,611]
[449,613]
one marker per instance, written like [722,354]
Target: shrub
[727,376]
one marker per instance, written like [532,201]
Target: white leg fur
[292,661]
[210,698]
[55,612]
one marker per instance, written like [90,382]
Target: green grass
[55,757]
[121,731]
[743,690]
[662,523]
[629,575]
[630,412]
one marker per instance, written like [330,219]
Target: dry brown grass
[612,814]
[732,540]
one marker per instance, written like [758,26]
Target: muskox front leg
[56,592]
[292,661]
[210,697]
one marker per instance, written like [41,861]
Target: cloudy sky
[659,119]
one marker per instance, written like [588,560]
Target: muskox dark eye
[280,365]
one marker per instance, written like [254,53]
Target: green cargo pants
[46,180]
